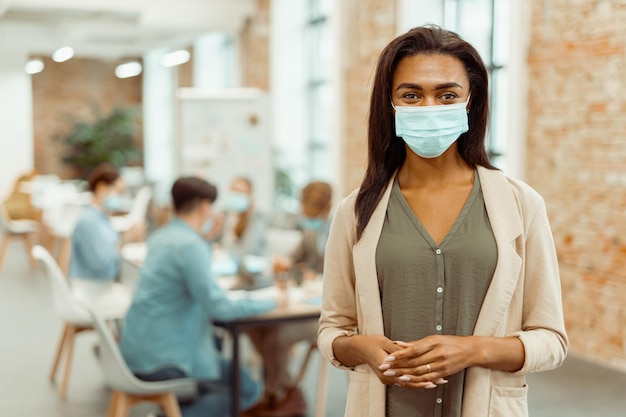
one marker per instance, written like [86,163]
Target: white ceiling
[114,29]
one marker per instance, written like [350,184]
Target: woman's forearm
[501,353]
[347,350]
[358,349]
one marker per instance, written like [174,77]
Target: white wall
[16,120]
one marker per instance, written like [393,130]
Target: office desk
[296,310]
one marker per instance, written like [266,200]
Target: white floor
[30,332]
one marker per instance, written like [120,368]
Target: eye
[448,96]
[410,96]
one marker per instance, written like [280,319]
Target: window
[319,95]
[304,69]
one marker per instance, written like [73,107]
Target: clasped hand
[423,363]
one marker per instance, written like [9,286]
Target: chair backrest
[64,302]
[4,217]
[116,372]
[119,377]
[139,209]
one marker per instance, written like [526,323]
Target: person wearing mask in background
[95,244]
[441,285]
[306,262]
[167,332]
[307,259]
[241,229]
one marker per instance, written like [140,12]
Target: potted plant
[109,138]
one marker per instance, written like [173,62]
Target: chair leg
[3,247]
[322,388]
[305,364]
[113,403]
[68,360]
[170,404]
[59,352]
[29,247]
[64,254]
[123,404]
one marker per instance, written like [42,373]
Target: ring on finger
[428,370]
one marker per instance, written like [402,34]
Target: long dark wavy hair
[385,152]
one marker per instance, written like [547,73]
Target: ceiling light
[129,69]
[34,66]
[175,58]
[63,54]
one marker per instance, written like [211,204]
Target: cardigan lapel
[505,217]
[364,260]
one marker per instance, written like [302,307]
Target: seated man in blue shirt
[167,332]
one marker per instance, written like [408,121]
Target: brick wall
[577,161]
[184,72]
[369,26]
[65,93]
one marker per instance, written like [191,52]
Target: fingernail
[404,378]
[389,373]
[390,358]
[384,366]
[430,386]
[440,381]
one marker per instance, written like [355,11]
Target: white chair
[63,203]
[24,229]
[112,304]
[128,389]
[137,213]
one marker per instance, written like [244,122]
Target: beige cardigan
[523,300]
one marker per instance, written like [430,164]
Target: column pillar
[16,119]
[159,91]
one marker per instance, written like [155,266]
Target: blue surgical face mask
[431,130]
[112,203]
[207,226]
[237,202]
[311,223]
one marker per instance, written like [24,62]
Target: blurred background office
[278,91]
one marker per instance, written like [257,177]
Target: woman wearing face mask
[244,228]
[95,243]
[441,283]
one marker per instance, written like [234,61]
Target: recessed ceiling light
[175,58]
[63,54]
[34,66]
[129,69]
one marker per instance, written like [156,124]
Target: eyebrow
[437,87]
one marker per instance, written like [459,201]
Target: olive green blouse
[429,289]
